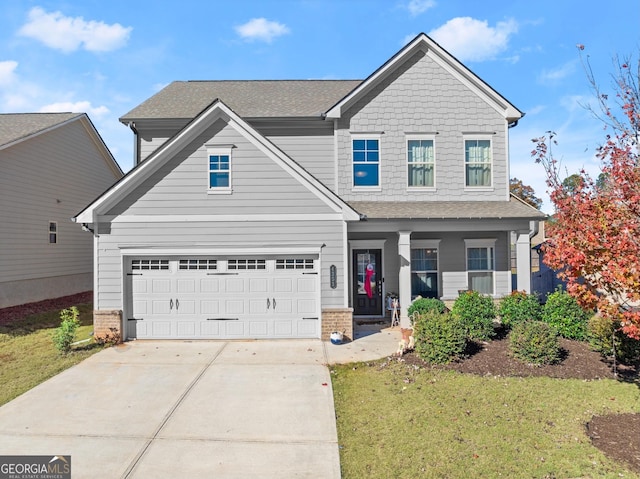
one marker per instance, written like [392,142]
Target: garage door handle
[268,303]
[177,304]
[223,319]
[274,304]
[170,304]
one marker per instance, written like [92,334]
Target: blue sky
[104,58]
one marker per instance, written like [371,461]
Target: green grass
[398,421]
[28,355]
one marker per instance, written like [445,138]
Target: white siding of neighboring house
[422,97]
[49,177]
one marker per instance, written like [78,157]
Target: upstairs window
[477,159]
[219,161]
[366,161]
[421,163]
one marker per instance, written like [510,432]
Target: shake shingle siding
[422,97]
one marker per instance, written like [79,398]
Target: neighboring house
[284,209]
[51,165]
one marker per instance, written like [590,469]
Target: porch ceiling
[513,209]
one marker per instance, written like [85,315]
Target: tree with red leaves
[594,240]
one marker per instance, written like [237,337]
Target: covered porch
[436,249]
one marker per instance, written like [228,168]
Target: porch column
[404,278]
[523,261]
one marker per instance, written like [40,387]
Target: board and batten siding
[205,237]
[421,97]
[48,178]
[260,186]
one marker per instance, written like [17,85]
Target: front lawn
[398,420]
[28,355]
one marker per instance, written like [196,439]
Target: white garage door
[223,298]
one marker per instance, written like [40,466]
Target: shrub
[519,307]
[605,337]
[440,337]
[64,334]
[477,313]
[563,313]
[424,305]
[534,342]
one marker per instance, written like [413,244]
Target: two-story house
[284,209]
[51,165]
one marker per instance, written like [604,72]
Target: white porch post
[523,261]
[404,279]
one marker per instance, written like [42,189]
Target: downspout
[136,150]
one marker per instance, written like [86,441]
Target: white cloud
[7,72]
[469,39]
[416,7]
[69,34]
[75,107]
[261,29]
[559,73]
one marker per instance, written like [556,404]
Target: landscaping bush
[477,313]
[604,334]
[534,342]
[424,305]
[440,337]
[63,335]
[568,318]
[519,307]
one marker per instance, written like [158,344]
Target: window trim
[421,136]
[213,150]
[427,244]
[481,243]
[366,136]
[53,233]
[477,137]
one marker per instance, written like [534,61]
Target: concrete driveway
[174,409]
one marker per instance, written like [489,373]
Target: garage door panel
[258,306]
[307,327]
[284,306]
[209,307]
[258,285]
[187,307]
[139,285]
[186,329]
[306,306]
[234,329]
[306,285]
[234,285]
[283,285]
[160,286]
[259,329]
[209,329]
[234,307]
[161,329]
[283,329]
[139,308]
[210,285]
[161,307]
[186,286]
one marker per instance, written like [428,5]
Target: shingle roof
[248,98]
[14,126]
[513,209]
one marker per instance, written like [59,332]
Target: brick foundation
[107,324]
[337,319]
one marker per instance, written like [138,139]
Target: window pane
[424,259]
[372,155]
[365,174]
[477,259]
[218,180]
[358,145]
[372,144]
[478,162]
[420,175]
[424,284]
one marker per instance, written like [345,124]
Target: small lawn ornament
[395,312]
[407,343]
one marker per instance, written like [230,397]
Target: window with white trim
[366,161]
[480,256]
[424,268]
[197,264]
[53,232]
[219,168]
[149,264]
[421,163]
[477,163]
[294,263]
[243,264]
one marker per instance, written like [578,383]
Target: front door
[367,282]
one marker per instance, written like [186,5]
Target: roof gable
[217,110]
[447,61]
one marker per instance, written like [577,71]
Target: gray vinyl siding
[49,177]
[314,153]
[260,186]
[217,235]
[422,97]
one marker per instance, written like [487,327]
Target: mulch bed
[617,436]
[13,313]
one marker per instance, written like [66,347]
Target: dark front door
[367,282]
